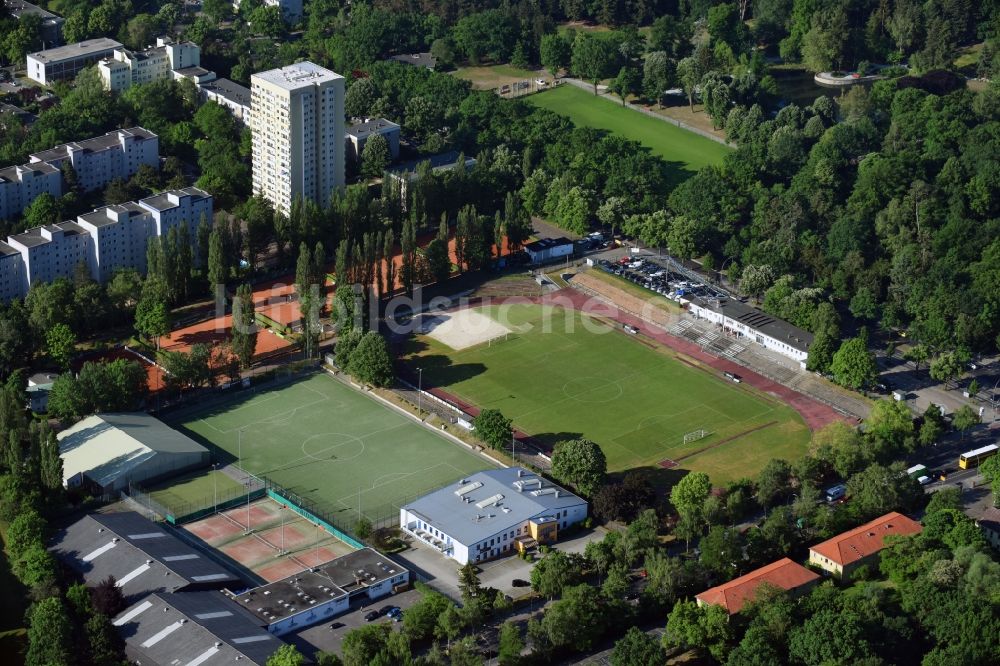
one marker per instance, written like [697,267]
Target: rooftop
[42,378]
[849,547]
[95,144]
[162,201]
[416,59]
[7,250]
[194,628]
[735,594]
[24,116]
[140,554]
[231,90]
[193,71]
[547,243]
[437,162]
[490,502]
[78,50]
[10,173]
[104,446]
[19,8]
[297,76]
[373,126]
[335,579]
[99,217]
[759,320]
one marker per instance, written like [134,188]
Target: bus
[973,458]
[917,471]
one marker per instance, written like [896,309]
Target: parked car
[393,611]
[385,610]
[518,582]
[336,625]
[371,616]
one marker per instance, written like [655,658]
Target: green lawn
[664,139]
[192,492]
[332,445]
[564,379]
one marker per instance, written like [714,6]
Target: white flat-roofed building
[229,94]
[491,514]
[357,136]
[11,273]
[125,68]
[51,251]
[186,207]
[65,62]
[119,236]
[20,185]
[749,323]
[297,122]
[98,161]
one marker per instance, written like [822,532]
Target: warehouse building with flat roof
[65,62]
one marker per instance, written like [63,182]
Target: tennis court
[278,544]
[333,446]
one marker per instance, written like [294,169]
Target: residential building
[844,553]
[51,251]
[229,94]
[98,161]
[65,62]
[39,386]
[737,593]
[297,121]
[51,24]
[357,136]
[186,207]
[110,451]
[416,59]
[12,279]
[748,323]
[193,628]
[323,592]
[9,111]
[119,236]
[125,68]
[20,185]
[987,517]
[548,249]
[141,555]
[491,514]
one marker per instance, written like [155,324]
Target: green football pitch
[664,139]
[331,445]
[559,379]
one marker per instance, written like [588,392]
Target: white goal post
[695,436]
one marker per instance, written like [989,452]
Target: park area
[560,375]
[341,451]
[674,144]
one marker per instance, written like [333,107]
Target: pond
[797,86]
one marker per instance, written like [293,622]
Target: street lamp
[420,393]
[215,490]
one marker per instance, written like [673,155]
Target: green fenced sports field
[634,398]
[332,445]
[672,143]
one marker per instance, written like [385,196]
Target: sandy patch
[461,329]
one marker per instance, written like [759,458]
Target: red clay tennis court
[280,543]
[216,331]
[154,373]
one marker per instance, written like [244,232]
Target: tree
[774,482]
[689,73]
[244,331]
[594,57]
[218,10]
[26,530]
[947,367]
[493,428]
[468,582]
[657,72]
[932,427]
[578,619]
[689,494]
[438,261]
[50,463]
[60,342]
[45,209]
[555,52]
[375,157]
[853,365]
[152,317]
[286,655]
[964,418]
[105,645]
[581,463]
[107,598]
[50,640]
[370,361]
[553,573]
[694,627]
[823,45]
[511,644]
[637,648]
[421,618]
[879,489]
[628,82]
[722,551]
[829,637]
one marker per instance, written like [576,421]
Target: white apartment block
[291,10]
[297,122]
[65,62]
[102,159]
[104,240]
[20,185]
[229,94]
[125,68]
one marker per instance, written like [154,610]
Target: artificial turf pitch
[672,143]
[332,445]
[634,398]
